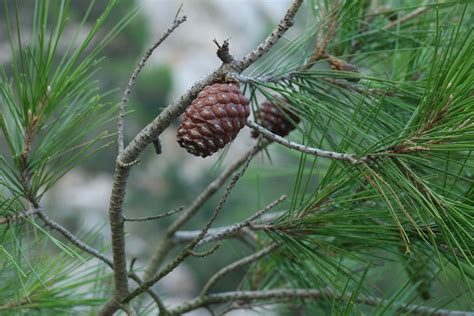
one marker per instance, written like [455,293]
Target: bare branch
[17,216]
[236,228]
[121,121]
[70,236]
[121,172]
[235,265]
[118,235]
[277,33]
[288,294]
[150,218]
[227,231]
[309,150]
[205,253]
[122,169]
[220,233]
[86,248]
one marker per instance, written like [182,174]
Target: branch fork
[129,154]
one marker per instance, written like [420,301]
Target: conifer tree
[372,100]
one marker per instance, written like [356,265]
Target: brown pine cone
[276,120]
[213,119]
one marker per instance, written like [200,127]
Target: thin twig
[131,82]
[71,237]
[231,230]
[17,216]
[235,265]
[220,233]
[86,248]
[322,44]
[288,294]
[302,148]
[157,145]
[277,33]
[155,217]
[205,253]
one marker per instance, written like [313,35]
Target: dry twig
[288,294]
[302,148]
[235,265]
[155,217]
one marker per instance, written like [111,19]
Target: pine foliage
[393,86]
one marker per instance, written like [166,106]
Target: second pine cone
[276,120]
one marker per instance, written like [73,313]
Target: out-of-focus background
[173,179]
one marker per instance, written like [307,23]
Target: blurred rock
[190,49]
[80,190]
[179,285]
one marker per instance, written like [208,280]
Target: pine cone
[276,120]
[213,119]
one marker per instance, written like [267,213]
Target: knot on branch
[223,52]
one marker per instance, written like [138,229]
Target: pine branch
[121,121]
[122,170]
[17,217]
[155,217]
[302,148]
[120,176]
[86,248]
[271,40]
[150,133]
[71,237]
[315,294]
[230,230]
[205,253]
